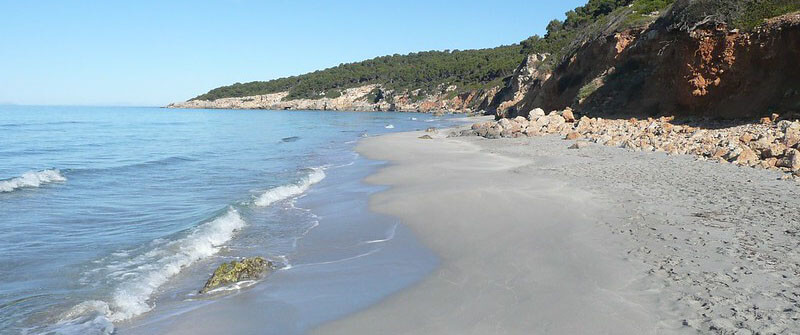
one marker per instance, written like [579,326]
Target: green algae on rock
[236,271]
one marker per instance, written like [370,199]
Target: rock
[579,145]
[504,123]
[746,138]
[568,116]
[765,120]
[792,137]
[541,121]
[236,271]
[573,135]
[791,161]
[786,124]
[774,150]
[747,157]
[431,130]
[769,163]
[425,137]
[603,139]
[535,113]
[493,132]
[555,121]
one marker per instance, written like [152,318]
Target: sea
[112,218]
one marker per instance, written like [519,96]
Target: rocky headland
[367,98]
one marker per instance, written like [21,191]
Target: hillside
[599,59]
[422,70]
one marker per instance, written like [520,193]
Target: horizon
[95,54]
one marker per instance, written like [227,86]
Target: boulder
[535,113]
[774,150]
[747,157]
[493,132]
[236,271]
[791,161]
[792,137]
[573,135]
[432,130]
[425,137]
[568,115]
[579,145]
[555,121]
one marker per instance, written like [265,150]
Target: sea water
[106,210]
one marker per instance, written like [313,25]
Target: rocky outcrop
[773,144]
[707,70]
[363,98]
[236,271]
[530,75]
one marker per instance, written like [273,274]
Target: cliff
[669,68]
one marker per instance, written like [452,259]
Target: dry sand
[538,239]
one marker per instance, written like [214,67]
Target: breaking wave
[292,190]
[139,277]
[31,179]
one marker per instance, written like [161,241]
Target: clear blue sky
[143,52]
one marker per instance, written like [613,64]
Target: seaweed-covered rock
[236,271]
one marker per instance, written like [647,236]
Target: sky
[150,53]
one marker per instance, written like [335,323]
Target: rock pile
[771,144]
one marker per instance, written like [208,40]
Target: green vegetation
[742,14]
[479,69]
[756,12]
[589,20]
[589,88]
[421,70]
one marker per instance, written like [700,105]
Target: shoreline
[648,243]
[349,260]
[505,268]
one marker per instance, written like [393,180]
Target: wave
[390,126]
[31,179]
[139,277]
[146,164]
[292,190]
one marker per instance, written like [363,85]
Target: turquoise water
[102,208]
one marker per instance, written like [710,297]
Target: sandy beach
[535,238]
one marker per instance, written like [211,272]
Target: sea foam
[31,179]
[138,278]
[292,190]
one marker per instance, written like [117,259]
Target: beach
[535,238]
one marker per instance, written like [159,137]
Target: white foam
[391,126]
[32,179]
[141,276]
[292,190]
[389,237]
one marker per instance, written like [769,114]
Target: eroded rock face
[236,271]
[659,70]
